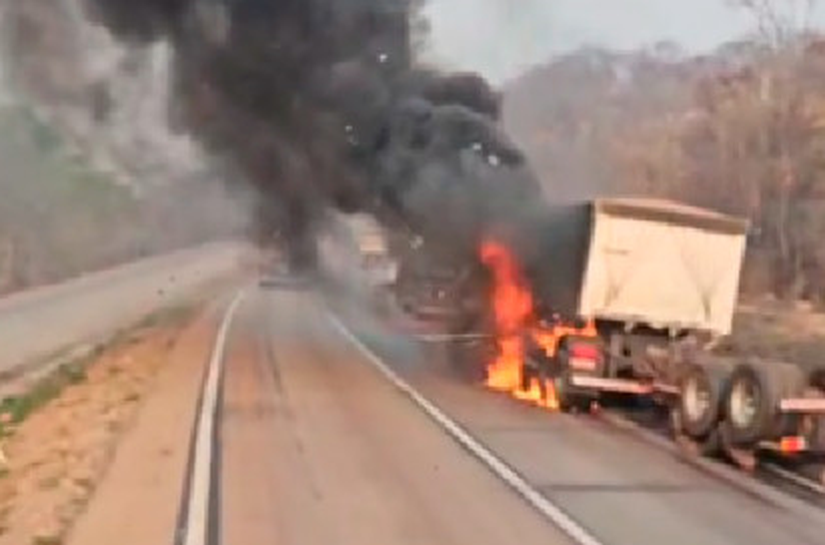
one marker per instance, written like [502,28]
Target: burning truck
[433,287]
[610,296]
[629,297]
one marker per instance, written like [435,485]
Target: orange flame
[543,398]
[513,309]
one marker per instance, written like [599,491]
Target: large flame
[513,309]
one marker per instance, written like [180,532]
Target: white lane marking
[197,513]
[798,480]
[539,502]
[447,337]
[727,475]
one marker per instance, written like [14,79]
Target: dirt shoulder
[64,438]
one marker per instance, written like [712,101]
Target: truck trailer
[631,296]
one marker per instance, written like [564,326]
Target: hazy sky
[502,37]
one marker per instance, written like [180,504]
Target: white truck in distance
[355,251]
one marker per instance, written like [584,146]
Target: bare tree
[784,34]
[741,130]
[779,21]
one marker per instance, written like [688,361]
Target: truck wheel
[702,392]
[706,446]
[569,397]
[812,426]
[813,429]
[752,401]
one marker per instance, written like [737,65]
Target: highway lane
[618,487]
[317,447]
[38,323]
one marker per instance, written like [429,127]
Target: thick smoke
[320,104]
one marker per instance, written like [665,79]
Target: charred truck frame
[630,296]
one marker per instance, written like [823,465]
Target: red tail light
[584,357]
[585,351]
[792,445]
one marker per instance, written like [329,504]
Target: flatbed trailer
[633,293]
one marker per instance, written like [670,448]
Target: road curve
[38,323]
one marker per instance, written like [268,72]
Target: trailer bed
[637,261]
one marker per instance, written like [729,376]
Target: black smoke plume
[320,103]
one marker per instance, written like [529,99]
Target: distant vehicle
[426,291]
[275,271]
[430,287]
[378,264]
[355,254]
[374,261]
[632,293]
[426,286]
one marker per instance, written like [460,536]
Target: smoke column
[320,103]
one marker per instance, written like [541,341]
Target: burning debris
[513,308]
[515,322]
[321,104]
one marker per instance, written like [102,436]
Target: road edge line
[735,479]
[196,517]
[797,480]
[496,465]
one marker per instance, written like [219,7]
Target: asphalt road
[38,323]
[318,447]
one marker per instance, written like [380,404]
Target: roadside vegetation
[57,217]
[741,130]
[60,218]
[58,436]
[15,409]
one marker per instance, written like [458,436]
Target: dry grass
[60,436]
[779,331]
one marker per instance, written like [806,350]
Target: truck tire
[814,432]
[702,395]
[705,446]
[812,426]
[570,397]
[752,401]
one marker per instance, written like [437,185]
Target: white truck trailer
[630,296]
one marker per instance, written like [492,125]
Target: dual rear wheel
[700,406]
[755,394]
[736,407]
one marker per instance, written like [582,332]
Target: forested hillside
[91,175]
[741,131]
[60,218]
